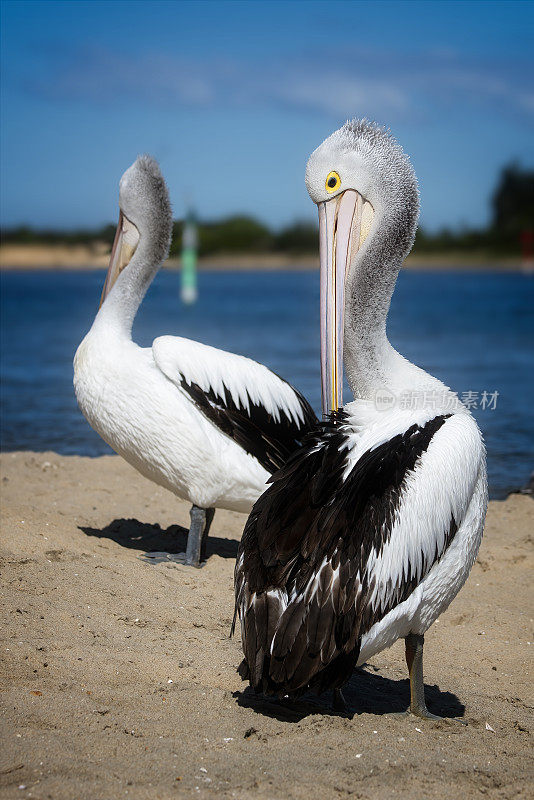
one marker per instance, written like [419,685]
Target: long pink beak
[124,246]
[340,222]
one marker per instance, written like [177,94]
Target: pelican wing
[338,541]
[260,411]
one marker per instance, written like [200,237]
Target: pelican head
[145,216]
[366,192]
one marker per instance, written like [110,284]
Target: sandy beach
[96,256]
[119,679]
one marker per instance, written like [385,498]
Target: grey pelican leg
[339,702]
[414,658]
[201,520]
[195,554]
[210,513]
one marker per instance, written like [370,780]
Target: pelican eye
[333,182]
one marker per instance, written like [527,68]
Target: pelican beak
[344,222]
[124,246]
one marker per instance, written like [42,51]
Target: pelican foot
[425,714]
[157,557]
[195,554]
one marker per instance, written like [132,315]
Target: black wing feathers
[256,431]
[308,539]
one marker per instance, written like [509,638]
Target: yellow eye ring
[332,183]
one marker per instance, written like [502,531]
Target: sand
[96,256]
[119,677]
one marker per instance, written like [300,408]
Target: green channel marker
[189,292]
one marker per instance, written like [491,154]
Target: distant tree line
[24,234]
[512,217]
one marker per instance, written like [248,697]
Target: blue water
[474,331]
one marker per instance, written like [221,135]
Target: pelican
[370,529]
[208,425]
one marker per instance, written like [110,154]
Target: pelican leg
[195,554]
[414,659]
[210,513]
[339,703]
[201,520]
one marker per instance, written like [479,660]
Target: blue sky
[231,97]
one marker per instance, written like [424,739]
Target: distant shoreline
[61,257]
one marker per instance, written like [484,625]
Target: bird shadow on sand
[137,535]
[365,693]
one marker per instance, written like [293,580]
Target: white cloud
[377,84]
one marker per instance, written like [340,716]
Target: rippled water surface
[473,331]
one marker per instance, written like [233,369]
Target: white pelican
[208,425]
[369,530]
